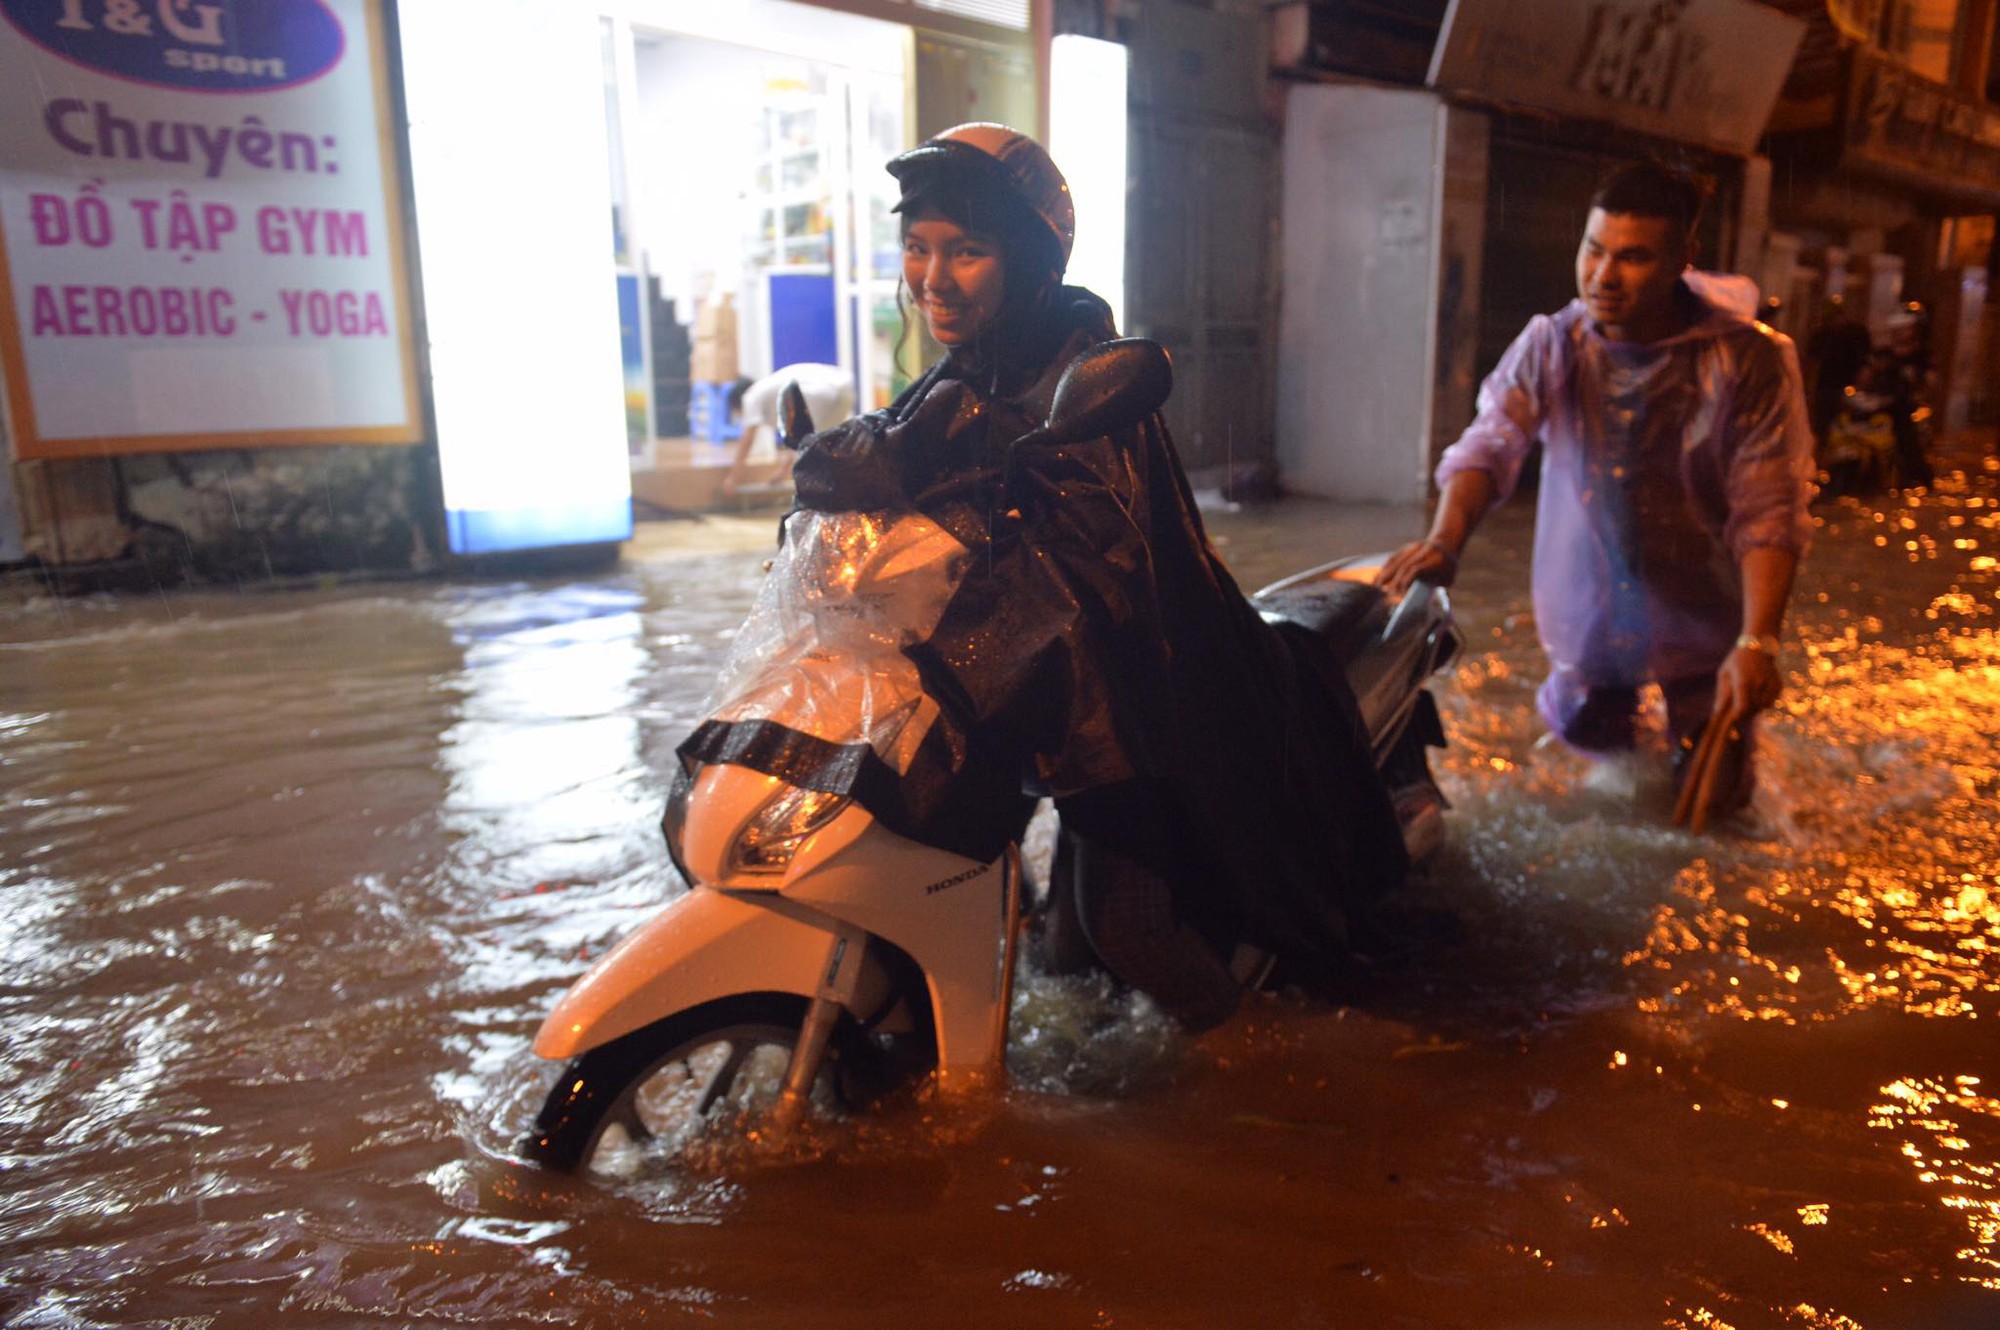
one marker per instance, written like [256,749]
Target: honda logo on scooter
[954,880]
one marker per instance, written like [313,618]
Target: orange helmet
[983,159]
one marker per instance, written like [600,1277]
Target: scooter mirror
[1111,385]
[795,422]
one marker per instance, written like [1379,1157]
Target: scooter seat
[1343,614]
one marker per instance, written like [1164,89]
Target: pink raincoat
[1662,463]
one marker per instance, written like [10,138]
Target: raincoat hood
[1727,295]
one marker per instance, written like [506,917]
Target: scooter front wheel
[711,1069]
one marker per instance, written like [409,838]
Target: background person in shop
[829,394]
[1674,484]
[1212,787]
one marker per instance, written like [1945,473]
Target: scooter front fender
[704,945]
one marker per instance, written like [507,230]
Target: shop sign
[1906,123]
[1698,71]
[200,227]
[174,44]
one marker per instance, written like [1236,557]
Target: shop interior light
[1087,134]
[513,204]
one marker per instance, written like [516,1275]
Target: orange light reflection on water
[1937,1123]
[1924,890]
[1890,752]
[1859,903]
[1878,889]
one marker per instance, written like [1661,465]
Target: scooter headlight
[768,841]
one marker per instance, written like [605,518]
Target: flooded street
[288,879]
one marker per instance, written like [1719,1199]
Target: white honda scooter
[819,961]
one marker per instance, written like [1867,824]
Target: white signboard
[1702,71]
[200,237]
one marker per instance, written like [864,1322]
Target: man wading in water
[1676,472]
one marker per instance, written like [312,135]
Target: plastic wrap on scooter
[823,651]
[823,687]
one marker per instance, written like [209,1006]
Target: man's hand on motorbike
[1426,558]
[1747,682]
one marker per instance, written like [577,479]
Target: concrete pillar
[1383,215]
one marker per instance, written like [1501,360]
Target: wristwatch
[1764,642]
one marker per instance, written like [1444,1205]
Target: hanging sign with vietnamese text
[1704,72]
[200,227]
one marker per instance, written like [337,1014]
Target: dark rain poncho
[951,630]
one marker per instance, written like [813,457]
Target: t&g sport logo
[196,45]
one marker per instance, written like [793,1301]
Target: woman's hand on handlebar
[1427,559]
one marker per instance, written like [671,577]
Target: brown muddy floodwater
[288,878]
